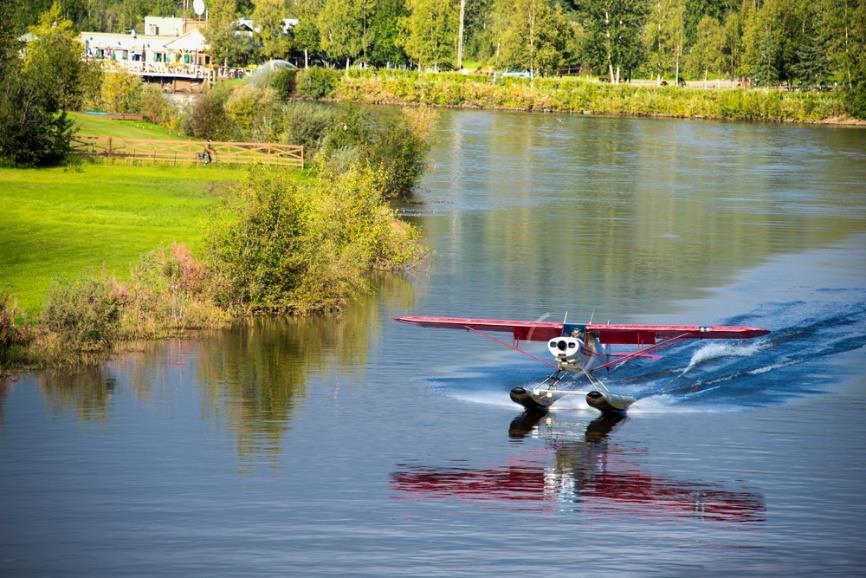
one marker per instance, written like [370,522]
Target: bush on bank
[298,248]
[168,291]
[394,146]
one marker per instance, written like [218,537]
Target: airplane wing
[520,330]
[607,333]
[651,334]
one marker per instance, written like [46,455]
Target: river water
[358,446]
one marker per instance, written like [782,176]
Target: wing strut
[512,347]
[640,352]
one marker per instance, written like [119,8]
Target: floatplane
[582,349]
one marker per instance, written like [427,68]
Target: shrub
[121,92]
[400,149]
[84,313]
[15,334]
[316,83]
[208,118]
[252,109]
[283,81]
[34,135]
[855,100]
[155,107]
[306,124]
[168,291]
[297,248]
[394,146]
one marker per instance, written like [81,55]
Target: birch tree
[534,38]
[428,34]
[343,29]
[613,29]
[707,53]
[664,37]
[268,18]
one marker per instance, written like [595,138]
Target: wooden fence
[183,151]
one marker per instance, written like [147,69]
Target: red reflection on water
[583,473]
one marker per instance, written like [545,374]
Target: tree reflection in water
[586,473]
[251,377]
[85,391]
[4,387]
[254,375]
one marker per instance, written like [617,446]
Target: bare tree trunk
[847,57]
[460,35]
[677,78]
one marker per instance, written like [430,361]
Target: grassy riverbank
[99,255]
[59,222]
[571,94]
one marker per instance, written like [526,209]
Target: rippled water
[362,447]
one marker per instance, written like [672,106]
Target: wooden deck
[180,151]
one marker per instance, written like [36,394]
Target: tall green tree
[841,22]
[664,37]
[479,39]
[384,50]
[707,54]
[220,32]
[534,38]
[306,34]
[613,30]
[428,33]
[53,60]
[733,43]
[268,18]
[812,68]
[697,9]
[773,35]
[344,29]
[36,91]
[765,72]
[855,95]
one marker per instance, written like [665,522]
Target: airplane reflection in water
[584,472]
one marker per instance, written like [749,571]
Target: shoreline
[844,121]
[571,95]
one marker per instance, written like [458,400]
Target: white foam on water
[712,351]
[771,367]
[495,398]
[667,404]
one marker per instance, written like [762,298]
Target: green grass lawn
[63,222]
[58,222]
[96,125]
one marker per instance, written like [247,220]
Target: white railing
[176,70]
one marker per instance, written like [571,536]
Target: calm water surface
[360,447]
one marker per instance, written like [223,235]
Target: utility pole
[460,36]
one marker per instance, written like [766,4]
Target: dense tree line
[798,43]
[794,42]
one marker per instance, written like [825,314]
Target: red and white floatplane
[582,349]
